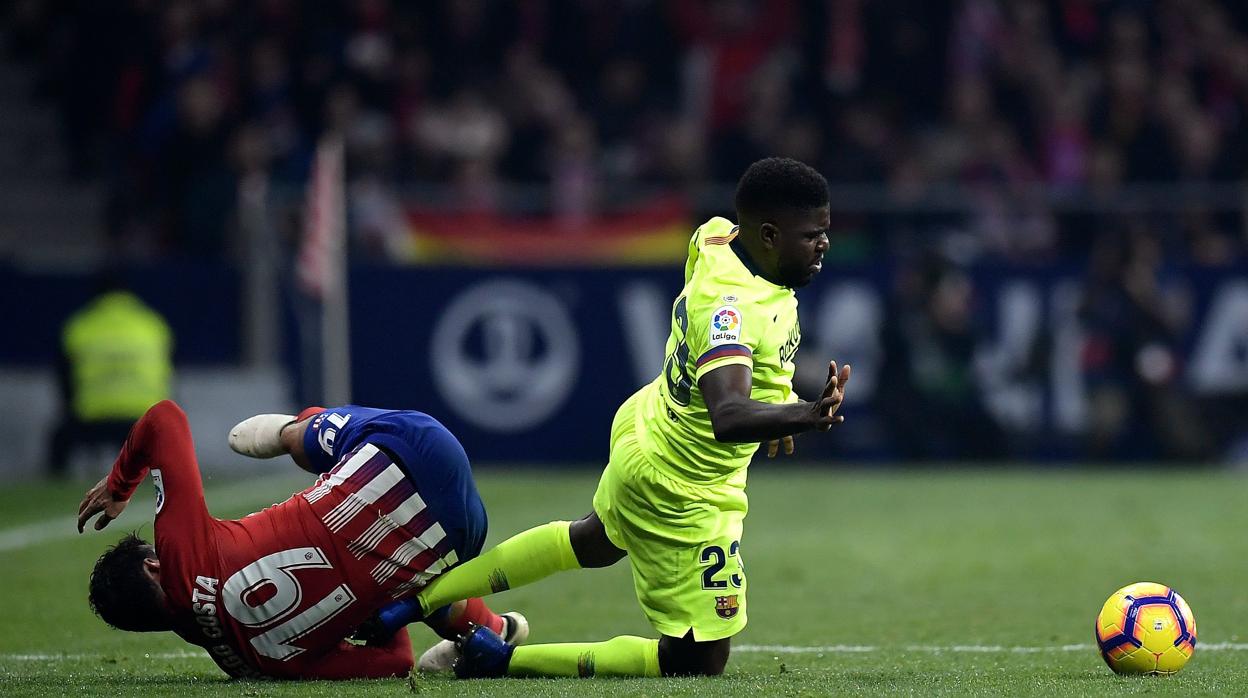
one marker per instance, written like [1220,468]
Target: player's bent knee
[686,666]
[685,657]
[591,545]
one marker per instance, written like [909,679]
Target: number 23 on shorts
[714,560]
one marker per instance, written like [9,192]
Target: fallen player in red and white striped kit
[275,593]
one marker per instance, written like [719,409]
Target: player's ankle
[475,613]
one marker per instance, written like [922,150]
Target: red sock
[477,613]
[308,412]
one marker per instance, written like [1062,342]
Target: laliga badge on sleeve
[725,326]
[158,480]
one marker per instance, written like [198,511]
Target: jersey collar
[739,250]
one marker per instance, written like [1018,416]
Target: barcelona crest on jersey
[726,606]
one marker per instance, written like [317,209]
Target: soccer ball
[1146,628]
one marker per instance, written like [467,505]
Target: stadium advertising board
[529,365]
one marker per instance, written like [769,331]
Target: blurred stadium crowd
[600,103]
[1033,133]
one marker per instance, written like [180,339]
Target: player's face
[801,243]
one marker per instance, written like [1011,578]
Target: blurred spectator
[931,399]
[116,362]
[1138,404]
[597,103]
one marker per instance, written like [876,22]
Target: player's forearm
[142,444]
[751,421]
[131,465]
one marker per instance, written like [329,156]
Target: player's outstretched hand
[773,447]
[99,499]
[832,396]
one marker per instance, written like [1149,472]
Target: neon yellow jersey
[725,315]
[120,352]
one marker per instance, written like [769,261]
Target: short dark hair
[121,594]
[771,185]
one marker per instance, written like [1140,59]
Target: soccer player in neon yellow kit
[672,498]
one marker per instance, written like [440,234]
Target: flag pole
[323,267]
[335,323]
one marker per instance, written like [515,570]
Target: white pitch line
[798,649]
[179,654]
[61,527]
[958,649]
[758,649]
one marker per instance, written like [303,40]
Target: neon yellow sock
[522,559]
[625,655]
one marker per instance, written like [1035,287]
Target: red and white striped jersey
[369,502]
[274,593]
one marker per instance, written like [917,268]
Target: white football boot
[260,436]
[516,628]
[441,657]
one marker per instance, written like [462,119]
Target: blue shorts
[430,455]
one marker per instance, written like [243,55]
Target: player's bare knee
[590,543]
[715,668]
[685,657]
[692,666]
[709,666]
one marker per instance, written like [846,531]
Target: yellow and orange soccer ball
[1146,628]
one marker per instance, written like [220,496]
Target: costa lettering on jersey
[204,604]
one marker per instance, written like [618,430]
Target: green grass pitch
[921,582]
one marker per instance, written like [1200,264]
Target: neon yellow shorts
[683,540]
